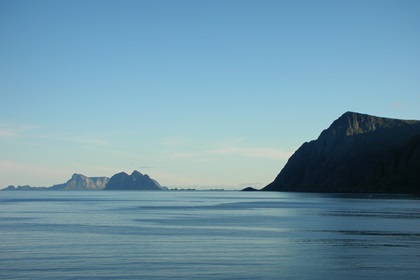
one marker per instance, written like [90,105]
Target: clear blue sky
[207,93]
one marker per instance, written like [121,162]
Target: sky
[202,94]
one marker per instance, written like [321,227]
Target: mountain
[81,182]
[77,182]
[358,153]
[135,181]
[120,181]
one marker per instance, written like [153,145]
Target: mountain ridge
[356,153]
[352,123]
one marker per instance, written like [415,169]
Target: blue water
[207,235]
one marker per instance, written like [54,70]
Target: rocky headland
[358,153]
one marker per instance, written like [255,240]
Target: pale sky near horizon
[193,93]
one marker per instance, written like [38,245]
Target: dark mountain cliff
[357,153]
[135,181]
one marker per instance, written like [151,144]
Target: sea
[207,235]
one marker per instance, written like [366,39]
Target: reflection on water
[207,235]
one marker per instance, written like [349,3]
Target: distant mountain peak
[135,181]
[136,174]
[76,176]
[82,182]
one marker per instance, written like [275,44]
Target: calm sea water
[207,235]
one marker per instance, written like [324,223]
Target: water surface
[207,235]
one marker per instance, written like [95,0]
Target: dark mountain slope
[357,153]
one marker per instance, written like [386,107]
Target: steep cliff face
[357,153]
[135,181]
[81,182]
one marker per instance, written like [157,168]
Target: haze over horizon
[193,93]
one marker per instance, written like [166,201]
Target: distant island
[120,181]
[135,181]
[249,189]
[358,153]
